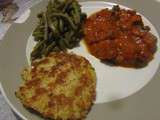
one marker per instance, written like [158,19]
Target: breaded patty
[61,86]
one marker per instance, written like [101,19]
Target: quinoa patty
[61,86]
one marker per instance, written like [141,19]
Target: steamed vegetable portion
[59,28]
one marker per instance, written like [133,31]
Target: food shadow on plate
[36,113]
[116,104]
[113,64]
[40,115]
[31,111]
[17,117]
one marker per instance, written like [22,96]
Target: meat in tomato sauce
[120,37]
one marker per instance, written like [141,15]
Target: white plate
[113,83]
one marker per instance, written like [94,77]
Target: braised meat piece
[120,36]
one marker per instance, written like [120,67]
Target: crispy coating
[61,86]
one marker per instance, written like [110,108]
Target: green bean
[62,45]
[38,45]
[46,27]
[37,33]
[68,39]
[73,16]
[54,29]
[56,3]
[53,26]
[39,38]
[35,53]
[77,13]
[66,42]
[44,46]
[49,48]
[51,9]
[60,25]
[59,28]
[83,17]
[68,2]
[66,17]
[50,36]
[69,35]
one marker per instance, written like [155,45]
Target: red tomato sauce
[120,37]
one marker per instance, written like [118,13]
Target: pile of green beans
[59,28]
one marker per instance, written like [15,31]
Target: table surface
[143,105]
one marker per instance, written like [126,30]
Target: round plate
[113,83]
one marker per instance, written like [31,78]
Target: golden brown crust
[62,87]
